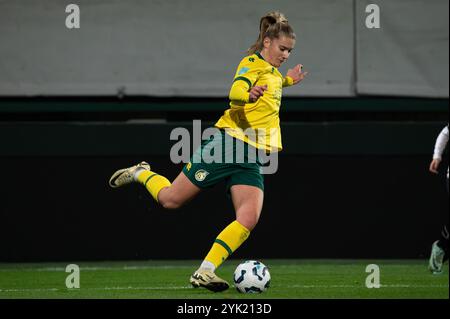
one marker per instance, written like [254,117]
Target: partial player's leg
[179,193]
[247,201]
[436,260]
[169,195]
[439,249]
[439,252]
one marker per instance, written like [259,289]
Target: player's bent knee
[249,221]
[170,204]
[167,200]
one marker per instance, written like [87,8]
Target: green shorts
[223,157]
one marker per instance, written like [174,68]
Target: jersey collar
[259,55]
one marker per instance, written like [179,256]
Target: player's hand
[434,165]
[297,73]
[256,92]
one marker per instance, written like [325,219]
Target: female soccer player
[255,99]
[439,249]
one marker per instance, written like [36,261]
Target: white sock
[137,172]
[208,266]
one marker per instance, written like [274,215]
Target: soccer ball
[251,276]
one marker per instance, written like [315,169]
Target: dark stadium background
[353,179]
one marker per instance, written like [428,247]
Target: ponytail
[272,25]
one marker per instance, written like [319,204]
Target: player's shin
[153,182]
[225,244]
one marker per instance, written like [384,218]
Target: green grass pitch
[291,279]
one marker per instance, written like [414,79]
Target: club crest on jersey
[200,175]
[243,70]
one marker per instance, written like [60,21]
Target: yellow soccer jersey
[258,123]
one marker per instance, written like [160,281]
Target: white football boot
[125,176]
[436,259]
[209,280]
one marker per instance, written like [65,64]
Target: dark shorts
[223,157]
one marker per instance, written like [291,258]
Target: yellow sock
[227,242]
[153,182]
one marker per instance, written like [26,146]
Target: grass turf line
[291,279]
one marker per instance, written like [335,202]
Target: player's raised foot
[436,259]
[209,280]
[126,175]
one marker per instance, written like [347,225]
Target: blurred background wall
[179,48]
[353,180]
